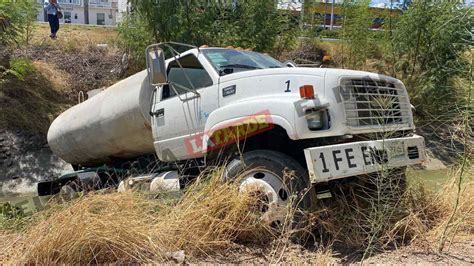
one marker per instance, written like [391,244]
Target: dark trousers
[53,23]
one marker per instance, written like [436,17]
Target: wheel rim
[271,193]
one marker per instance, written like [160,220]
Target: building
[100,12]
[124,7]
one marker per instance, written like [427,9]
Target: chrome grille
[374,103]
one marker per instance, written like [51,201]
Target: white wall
[40,15]
[110,15]
[76,11]
[123,8]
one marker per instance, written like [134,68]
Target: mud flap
[53,187]
[88,179]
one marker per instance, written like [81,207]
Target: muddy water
[28,203]
[431,179]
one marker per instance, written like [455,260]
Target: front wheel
[276,180]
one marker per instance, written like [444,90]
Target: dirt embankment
[61,69]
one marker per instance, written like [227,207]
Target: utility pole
[302,15]
[86,11]
[332,14]
[325,12]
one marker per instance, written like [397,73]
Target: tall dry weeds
[212,217]
[358,222]
[128,227]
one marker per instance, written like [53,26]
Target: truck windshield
[228,61]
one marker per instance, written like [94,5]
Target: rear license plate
[351,159]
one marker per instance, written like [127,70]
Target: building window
[75,15]
[74,2]
[100,19]
[67,15]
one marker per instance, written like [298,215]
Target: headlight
[314,119]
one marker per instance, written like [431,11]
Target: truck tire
[278,179]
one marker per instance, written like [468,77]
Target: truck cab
[209,91]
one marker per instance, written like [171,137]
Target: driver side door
[179,114]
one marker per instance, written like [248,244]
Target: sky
[383,2]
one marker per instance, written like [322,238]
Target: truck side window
[194,70]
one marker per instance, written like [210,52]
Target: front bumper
[357,158]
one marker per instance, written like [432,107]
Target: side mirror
[290,63]
[155,60]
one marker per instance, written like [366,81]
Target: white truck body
[117,123]
[114,123]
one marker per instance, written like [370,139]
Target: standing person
[53,9]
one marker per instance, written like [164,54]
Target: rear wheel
[276,181]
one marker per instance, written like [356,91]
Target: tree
[356,35]
[135,37]
[161,17]
[429,56]
[252,24]
[260,22]
[18,20]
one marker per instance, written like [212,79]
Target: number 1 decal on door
[287,86]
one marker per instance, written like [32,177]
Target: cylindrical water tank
[113,124]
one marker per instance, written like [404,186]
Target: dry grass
[128,227]
[59,79]
[62,68]
[76,36]
[463,219]
[369,225]
[9,241]
[430,212]
[213,220]
[30,104]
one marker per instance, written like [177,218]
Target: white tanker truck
[265,117]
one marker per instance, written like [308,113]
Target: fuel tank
[115,123]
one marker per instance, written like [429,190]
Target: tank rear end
[113,124]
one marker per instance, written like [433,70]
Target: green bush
[258,25]
[135,37]
[18,20]
[9,211]
[336,34]
[21,67]
[425,46]
[430,56]
[356,35]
